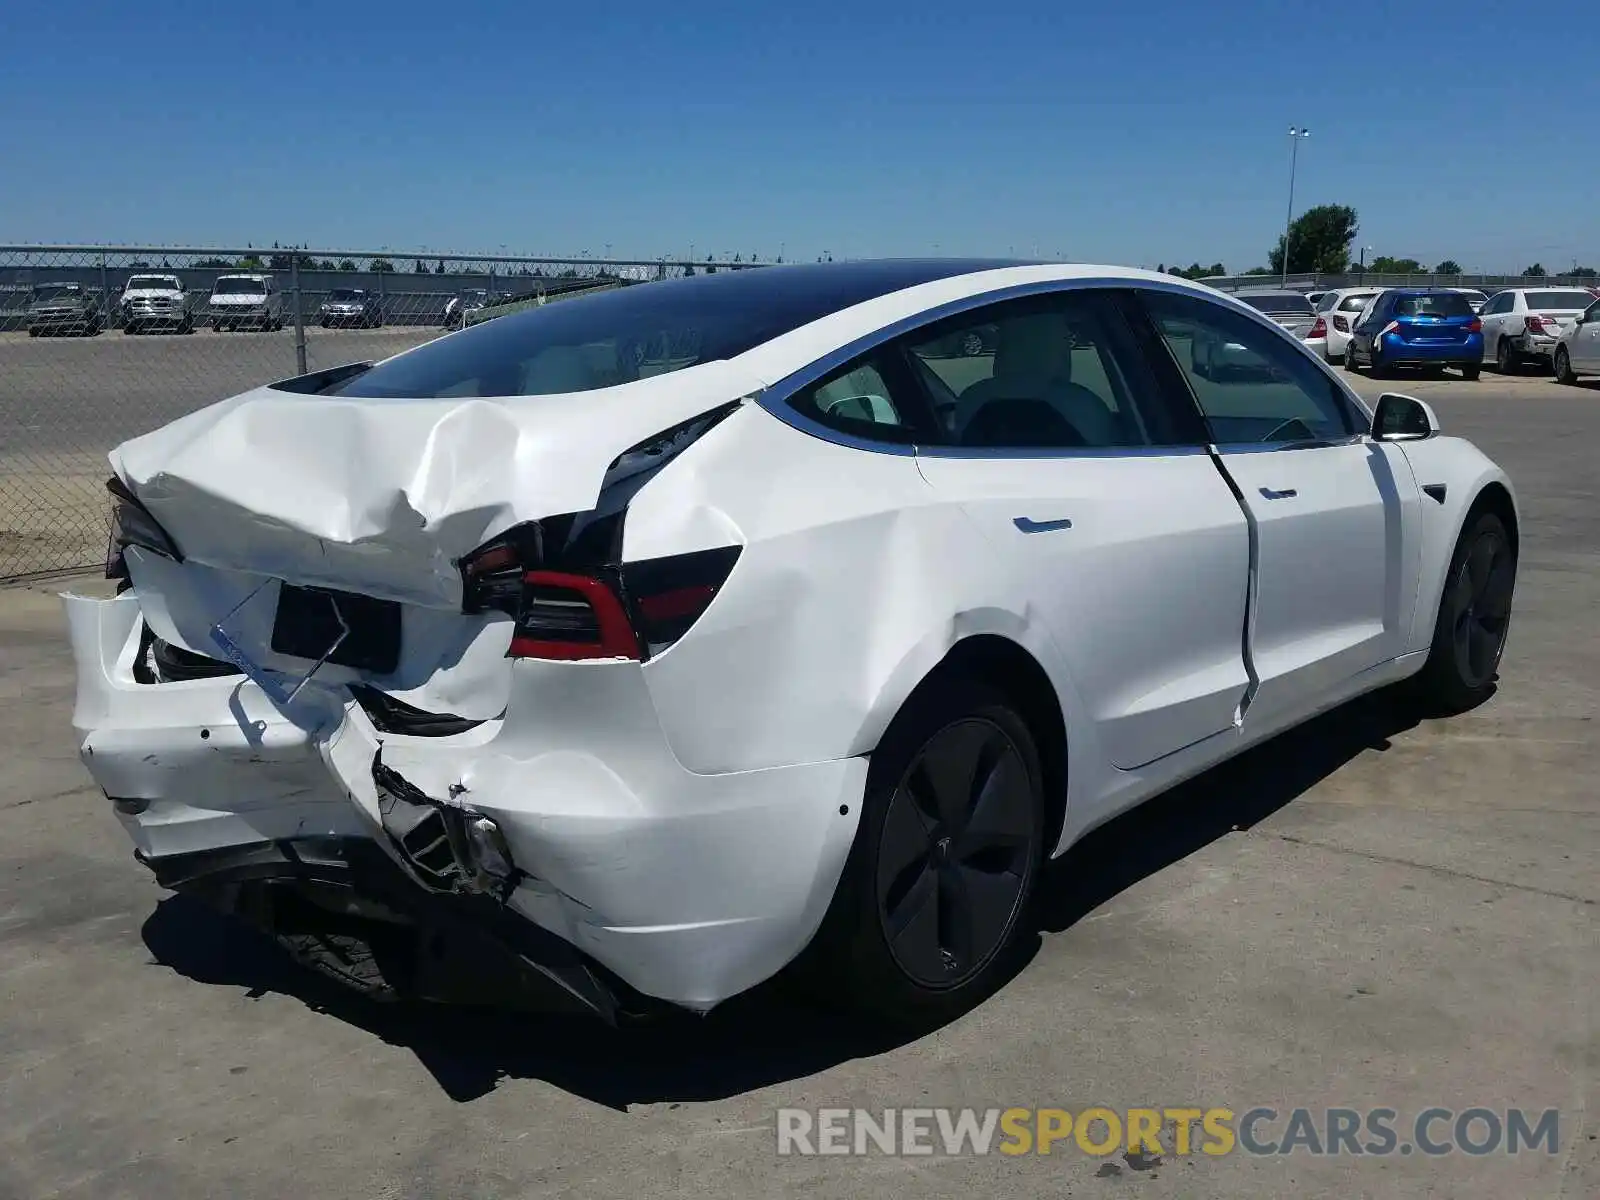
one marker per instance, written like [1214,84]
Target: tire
[33,333]
[912,866]
[1376,367]
[1563,366]
[1505,357]
[1350,359]
[1470,371]
[1469,633]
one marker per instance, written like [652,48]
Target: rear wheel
[1474,615]
[1375,364]
[1505,357]
[1469,371]
[945,858]
[1563,366]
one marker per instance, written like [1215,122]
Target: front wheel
[1469,634]
[946,855]
[1469,371]
[1563,366]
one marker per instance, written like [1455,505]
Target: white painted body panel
[686,819]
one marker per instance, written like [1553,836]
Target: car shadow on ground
[767,1036]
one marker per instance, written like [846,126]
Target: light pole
[1297,134]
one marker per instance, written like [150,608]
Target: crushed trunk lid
[382,497]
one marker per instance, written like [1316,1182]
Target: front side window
[1251,386]
[1052,372]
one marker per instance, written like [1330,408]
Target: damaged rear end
[375,681]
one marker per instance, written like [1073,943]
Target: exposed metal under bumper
[342,907]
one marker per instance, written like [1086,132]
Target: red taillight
[634,611]
[567,616]
[1533,324]
[1341,325]
[1474,326]
[1319,330]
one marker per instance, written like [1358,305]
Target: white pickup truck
[155,302]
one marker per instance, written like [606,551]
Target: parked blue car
[1417,327]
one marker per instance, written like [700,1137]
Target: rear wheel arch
[1011,669]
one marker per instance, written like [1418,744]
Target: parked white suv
[155,301]
[1520,324]
[1338,312]
[241,301]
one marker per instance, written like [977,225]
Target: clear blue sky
[1131,132]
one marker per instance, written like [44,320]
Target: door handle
[1029,525]
[1286,494]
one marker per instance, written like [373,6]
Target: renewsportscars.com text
[1100,1131]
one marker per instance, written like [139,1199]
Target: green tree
[1583,272]
[251,262]
[1385,265]
[1448,267]
[381,264]
[347,264]
[1264,270]
[1319,240]
[213,263]
[1536,271]
[418,269]
[438,268]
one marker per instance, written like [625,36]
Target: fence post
[383,297]
[299,315]
[107,316]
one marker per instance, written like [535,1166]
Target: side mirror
[1402,419]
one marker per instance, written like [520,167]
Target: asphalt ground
[1367,912]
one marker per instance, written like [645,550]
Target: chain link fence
[101,344]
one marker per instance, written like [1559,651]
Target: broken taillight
[132,525]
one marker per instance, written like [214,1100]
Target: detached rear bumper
[688,888]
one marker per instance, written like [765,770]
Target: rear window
[1284,303]
[1434,304]
[634,332]
[1558,299]
[1356,303]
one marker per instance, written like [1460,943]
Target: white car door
[1334,515]
[1110,521]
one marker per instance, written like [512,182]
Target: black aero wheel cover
[1480,607]
[956,853]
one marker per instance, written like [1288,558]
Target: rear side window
[1558,299]
[1433,304]
[859,400]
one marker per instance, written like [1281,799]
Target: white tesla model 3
[666,637]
